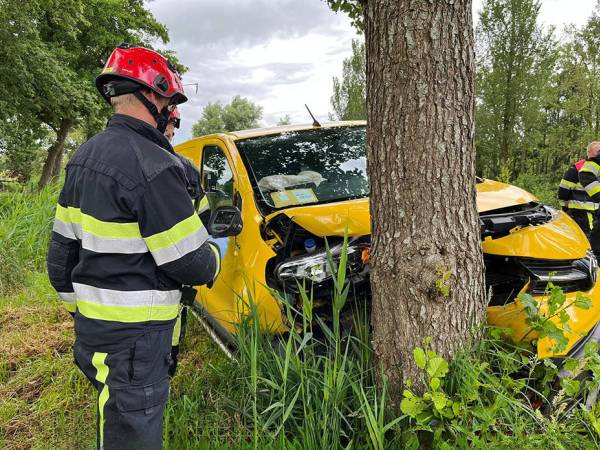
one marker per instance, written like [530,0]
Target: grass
[300,394]
[46,402]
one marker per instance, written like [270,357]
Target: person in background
[574,200]
[589,178]
[194,188]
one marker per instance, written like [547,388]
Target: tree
[240,114]
[349,95]
[56,49]
[516,59]
[427,267]
[20,141]
[285,120]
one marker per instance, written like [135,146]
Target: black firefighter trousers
[583,218]
[133,388]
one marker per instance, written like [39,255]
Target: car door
[219,184]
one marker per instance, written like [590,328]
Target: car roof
[257,132]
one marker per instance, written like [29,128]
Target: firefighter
[125,238]
[589,178]
[174,122]
[574,200]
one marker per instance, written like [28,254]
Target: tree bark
[54,158]
[427,266]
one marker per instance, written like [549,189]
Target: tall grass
[307,393]
[300,392]
[25,226]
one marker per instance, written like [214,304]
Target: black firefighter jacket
[126,236]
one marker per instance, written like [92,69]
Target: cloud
[278,53]
[239,22]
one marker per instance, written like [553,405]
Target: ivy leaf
[420,358]
[437,367]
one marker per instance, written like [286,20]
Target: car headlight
[315,267]
[554,213]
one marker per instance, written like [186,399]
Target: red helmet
[129,67]
[175,117]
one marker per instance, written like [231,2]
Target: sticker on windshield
[293,197]
[305,195]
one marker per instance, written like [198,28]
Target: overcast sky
[278,53]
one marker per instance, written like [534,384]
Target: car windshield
[307,167]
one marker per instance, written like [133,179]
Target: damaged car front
[311,188]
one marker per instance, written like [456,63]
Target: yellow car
[277,193]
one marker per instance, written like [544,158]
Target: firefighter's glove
[188,294]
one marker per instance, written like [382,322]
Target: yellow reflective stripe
[176,330]
[593,188]
[96,227]
[174,234]
[567,184]
[590,166]
[127,314]
[98,361]
[586,206]
[203,203]
[217,259]
[590,220]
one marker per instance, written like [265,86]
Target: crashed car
[278,194]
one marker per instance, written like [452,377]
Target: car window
[217,177]
[307,166]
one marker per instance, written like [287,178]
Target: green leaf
[570,364]
[529,304]
[570,386]
[412,406]
[439,400]
[456,408]
[437,367]
[582,302]
[435,384]
[420,358]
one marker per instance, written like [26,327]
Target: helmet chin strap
[161,117]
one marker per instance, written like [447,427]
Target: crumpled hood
[493,195]
[331,219]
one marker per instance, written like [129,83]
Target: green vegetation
[536,95]
[240,114]
[55,50]
[350,93]
[298,394]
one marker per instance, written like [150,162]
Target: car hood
[493,195]
[331,219]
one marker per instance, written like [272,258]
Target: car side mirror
[225,221]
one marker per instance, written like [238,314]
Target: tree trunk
[54,159]
[427,267]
